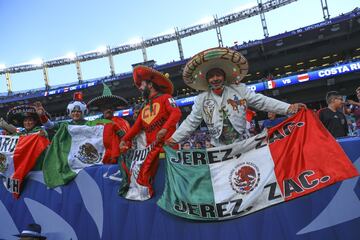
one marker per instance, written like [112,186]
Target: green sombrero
[233,63]
[107,99]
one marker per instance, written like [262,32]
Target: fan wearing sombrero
[157,118]
[218,72]
[31,232]
[26,118]
[76,110]
[107,103]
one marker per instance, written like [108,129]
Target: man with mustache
[157,118]
[223,104]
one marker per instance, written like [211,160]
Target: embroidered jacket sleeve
[173,111]
[262,102]
[192,121]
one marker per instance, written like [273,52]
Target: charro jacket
[233,103]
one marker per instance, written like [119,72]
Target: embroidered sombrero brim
[233,63]
[17,115]
[111,101]
[143,73]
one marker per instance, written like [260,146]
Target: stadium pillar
[143,49]
[178,39]
[218,32]
[78,71]
[8,82]
[111,61]
[263,20]
[325,9]
[46,76]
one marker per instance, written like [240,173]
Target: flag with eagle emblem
[292,159]
[75,147]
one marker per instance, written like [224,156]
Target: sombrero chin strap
[150,101]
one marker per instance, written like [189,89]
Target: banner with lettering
[292,159]
[18,155]
[138,167]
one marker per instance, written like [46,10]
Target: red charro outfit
[160,113]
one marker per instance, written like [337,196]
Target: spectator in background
[186,146]
[272,120]
[31,232]
[332,117]
[355,110]
[208,144]
[198,145]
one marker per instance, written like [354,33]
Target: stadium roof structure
[311,47]
[175,36]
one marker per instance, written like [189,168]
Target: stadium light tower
[263,20]
[218,31]
[8,83]
[178,40]
[111,61]
[325,9]
[46,76]
[143,49]
[78,71]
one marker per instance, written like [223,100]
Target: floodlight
[101,49]
[36,62]
[70,55]
[135,40]
[205,20]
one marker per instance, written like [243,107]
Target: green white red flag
[75,147]
[295,158]
[18,155]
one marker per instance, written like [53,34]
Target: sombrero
[16,115]
[143,73]
[107,99]
[32,230]
[233,63]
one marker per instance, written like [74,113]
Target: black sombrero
[107,99]
[32,230]
[16,115]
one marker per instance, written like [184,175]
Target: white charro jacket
[235,99]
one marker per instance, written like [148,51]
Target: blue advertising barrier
[90,208]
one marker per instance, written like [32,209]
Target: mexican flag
[75,147]
[295,158]
[18,155]
[138,168]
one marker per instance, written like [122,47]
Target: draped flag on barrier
[75,147]
[299,156]
[18,155]
[137,168]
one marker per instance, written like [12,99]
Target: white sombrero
[233,63]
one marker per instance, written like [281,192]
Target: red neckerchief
[218,91]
